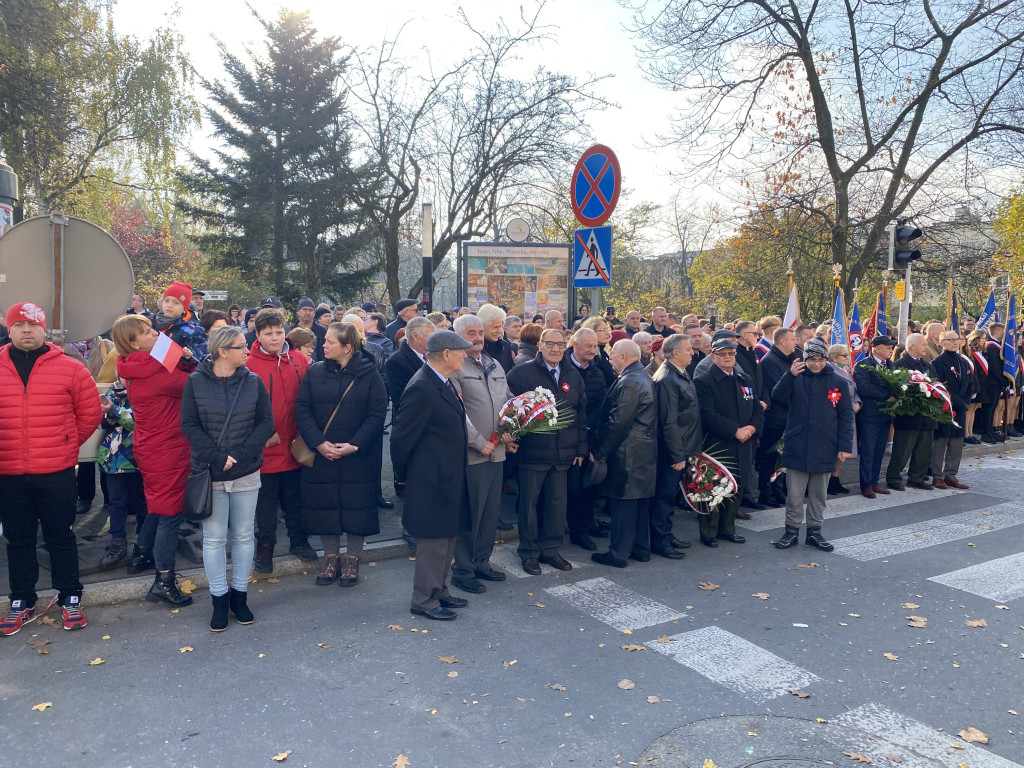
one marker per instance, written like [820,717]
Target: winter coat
[726,404]
[383,342]
[282,375]
[914,422]
[43,424]
[680,433]
[398,370]
[205,404]
[747,360]
[502,352]
[816,430]
[527,352]
[484,390]
[873,393]
[953,370]
[598,378]
[627,436]
[340,496]
[115,455]
[429,454]
[185,331]
[553,449]
[774,366]
[161,450]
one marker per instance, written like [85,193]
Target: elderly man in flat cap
[405,310]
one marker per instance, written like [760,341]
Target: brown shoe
[330,571]
[920,486]
[952,482]
[868,493]
[349,570]
[881,490]
[557,561]
[741,515]
[938,483]
[532,566]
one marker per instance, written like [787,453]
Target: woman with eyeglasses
[839,359]
[227,418]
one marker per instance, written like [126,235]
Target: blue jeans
[126,497]
[161,533]
[236,511]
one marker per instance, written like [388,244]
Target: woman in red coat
[161,450]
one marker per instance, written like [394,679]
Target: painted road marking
[1001,579]
[735,663]
[505,558]
[921,739]
[929,533]
[616,606]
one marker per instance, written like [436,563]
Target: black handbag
[199,485]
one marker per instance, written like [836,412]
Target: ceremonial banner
[839,320]
[882,328]
[792,318]
[989,314]
[856,337]
[1010,341]
[954,312]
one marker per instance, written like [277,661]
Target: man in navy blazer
[873,423]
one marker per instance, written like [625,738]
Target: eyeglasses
[554,344]
[238,347]
[951,338]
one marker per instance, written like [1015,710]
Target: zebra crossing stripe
[1001,579]
[735,663]
[929,533]
[921,740]
[616,606]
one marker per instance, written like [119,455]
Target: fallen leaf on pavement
[538,605]
[272,581]
[261,655]
[34,643]
[1012,712]
[978,623]
[105,637]
[798,693]
[395,627]
[821,720]
[632,647]
[911,606]
[401,762]
[916,621]
[707,586]
[709,763]
[1003,607]
[453,674]
[281,756]
[665,639]
[42,651]
[973,735]
[124,618]
[186,649]
[556,687]
[48,621]
[894,758]
[96,662]
[857,756]
[509,663]
[41,707]
[761,595]
[187,587]
[653,699]
[627,685]
[322,645]
[855,615]
[986,527]
[807,565]
[448,659]
[891,656]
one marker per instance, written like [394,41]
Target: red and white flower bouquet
[706,483]
[531,413]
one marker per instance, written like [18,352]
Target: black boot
[141,559]
[834,486]
[789,538]
[239,607]
[264,561]
[221,605]
[116,555]
[165,588]
[813,538]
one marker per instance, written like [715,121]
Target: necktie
[452,388]
[554,374]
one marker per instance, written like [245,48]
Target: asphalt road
[531,673]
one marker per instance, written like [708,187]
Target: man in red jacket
[282,370]
[48,408]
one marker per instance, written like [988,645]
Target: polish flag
[792,319]
[166,352]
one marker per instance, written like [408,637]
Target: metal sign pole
[58,223]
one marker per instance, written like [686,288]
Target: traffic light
[902,253]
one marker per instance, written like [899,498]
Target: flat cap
[439,341]
[721,344]
[403,303]
[369,306]
[882,341]
[724,333]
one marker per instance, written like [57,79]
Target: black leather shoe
[972,440]
[681,543]
[454,602]
[735,538]
[384,503]
[741,515]
[751,503]
[639,558]
[532,566]
[491,575]
[789,538]
[302,549]
[583,541]
[469,585]
[670,552]
[707,541]
[557,561]
[600,532]
[437,614]
[603,558]
[82,506]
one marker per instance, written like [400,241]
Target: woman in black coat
[339,492]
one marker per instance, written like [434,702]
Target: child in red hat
[177,321]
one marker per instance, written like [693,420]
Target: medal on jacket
[748,393]
[565,386]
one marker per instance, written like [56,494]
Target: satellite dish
[77,272]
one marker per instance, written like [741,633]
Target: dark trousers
[579,510]
[631,529]
[160,532]
[721,520]
[764,459]
[662,504]
[507,519]
[126,497]
[430,578]
[473,547]
[871,439]
[541,526]
[983,419]
[31,502]
[913,444]
[279,488]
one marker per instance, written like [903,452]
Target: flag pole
[789,274]
[949,303]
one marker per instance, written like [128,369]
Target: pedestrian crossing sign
[592,257]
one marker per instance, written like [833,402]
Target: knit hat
[27,311]
[815,348]
[250,313]
[305,301]
[180,291]
[656,344]
[619,335]
[369,306]
[321,311]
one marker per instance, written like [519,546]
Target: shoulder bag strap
[335,411]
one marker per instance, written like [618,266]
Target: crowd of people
[292,418]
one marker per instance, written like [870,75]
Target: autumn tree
[83,109]
[278,198]
[879,108]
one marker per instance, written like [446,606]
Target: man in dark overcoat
[730,416]
[627,439]
[429,453]
[407,359]
[912,435]
[774,364]
[953,370]
[872,422]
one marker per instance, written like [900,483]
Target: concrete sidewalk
[117,586]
